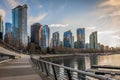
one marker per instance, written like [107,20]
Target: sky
[62,15]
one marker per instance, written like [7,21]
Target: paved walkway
[18,69]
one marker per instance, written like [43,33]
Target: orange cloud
[2,13]
[111,3]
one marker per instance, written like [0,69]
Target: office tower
[75,44]
[1,28]
[8,27]
[61,44]
[51,43]
[87,46]
[67,39]
[72,41]
[93,40]
[36,34]
[81,37]
[8,33]
[55,39]
[46,36]
[19,22]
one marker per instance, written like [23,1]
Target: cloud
[13,3]
[108,32]
[38,18]
[108,14]
[40,6]
[116,37]
[110,8]
[58,25]
[2,13]
[110,3]
[90,28]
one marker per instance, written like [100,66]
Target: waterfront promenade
[18,69]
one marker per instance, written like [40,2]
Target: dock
[103,72]
[105,66]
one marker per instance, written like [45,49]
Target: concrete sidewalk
[18,69]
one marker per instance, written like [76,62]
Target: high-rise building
[81,37]
[1,28]
[61,44]
[55,39]
[46,36]
[67,39]
[8,33]
[19,22]
[93,40]
[75,44]
[36,34]
[87,46]
[72,41]
[8,27]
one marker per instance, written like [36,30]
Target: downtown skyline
[100,15]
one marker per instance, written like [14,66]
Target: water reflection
[84,63]
[113,60]
[76,62]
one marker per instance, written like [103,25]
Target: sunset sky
[62,15]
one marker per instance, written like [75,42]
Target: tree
[32,47]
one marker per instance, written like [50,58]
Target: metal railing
[6,56]
[8,46]
[60,72]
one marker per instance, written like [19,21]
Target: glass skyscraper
[1,28]
[46,36]
[36,34]
[81,37]
[19,26]
[8,27]
[55,39]
[8,33]
[67,39]
[93,40]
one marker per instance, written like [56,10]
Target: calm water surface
[85,62]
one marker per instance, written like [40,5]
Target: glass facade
[1,24]
[1,28]
[55,39]
[93,40]
[67,39]
[81,37]
[46,36]
[19,26]
[8,27]
[36,34]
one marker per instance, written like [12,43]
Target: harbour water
[85,62]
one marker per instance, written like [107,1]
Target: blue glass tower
[55,39]
[93,40]
[36,34]
[81,37]
[67,39]
[46,36]
[8,27]
[19,26]
[1,28]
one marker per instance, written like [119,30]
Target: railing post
[69,74]
[46,69]
[38,64]
[41,66]
[54,72]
